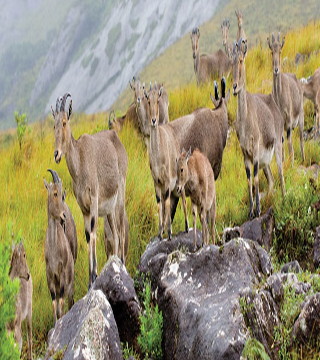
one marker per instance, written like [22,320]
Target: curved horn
[155,85]
[63,102]
[57,104]
[216,90]
[273,38]
[278,36]
[150,86]
[223,87]
[55,176]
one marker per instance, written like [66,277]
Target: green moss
[113,36]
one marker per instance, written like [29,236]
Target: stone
[292,266]
[198,294]
[292,280]
[259,230]
[117,285]
[87,331]
[306,328]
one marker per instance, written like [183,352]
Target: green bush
[151,328]
[21,121]
[254,350]
[8,292]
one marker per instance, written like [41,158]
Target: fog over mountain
[88,48]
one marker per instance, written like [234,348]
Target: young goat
[225,33]
[259,128]
[240,33]
[288,94]
[19,269]
[208,66]
[58,256]
[311,90]
[118,123]
[163,154]
[195,176]
[98,166]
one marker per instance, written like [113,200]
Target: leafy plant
[127,352]
[8,292]
[151,328]
[21,121]
[254,350]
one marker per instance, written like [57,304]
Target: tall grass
[23,196]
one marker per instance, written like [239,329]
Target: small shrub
[151,328]
[21,121]
[127,352]
[254,350]
[8,292]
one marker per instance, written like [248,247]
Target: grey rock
[259,230]
[117,285]
[198,294]
[87,331]
[291,279]
[306,328]
[316,249]
[292,266]
[275,286]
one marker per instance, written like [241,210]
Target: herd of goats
[185,157]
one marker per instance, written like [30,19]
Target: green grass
[23,197]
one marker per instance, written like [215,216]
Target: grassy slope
[175,66]
[23,196]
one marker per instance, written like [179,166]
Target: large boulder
[87,331]
[306,328]
[198,294]
[117,285]
[292,266]
[259,229]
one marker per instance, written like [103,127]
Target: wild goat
[58,256]
[208,66]
[240,33]
[311,90]
[259,128]
[141,104]
[288,95]
[225,33]
[19,269]
[195,176]
[163,155]
[98,166]
[205,129]
[117,123]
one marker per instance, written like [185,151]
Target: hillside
[175,66]
[23,199]
[89,48]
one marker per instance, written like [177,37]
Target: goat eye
[55,194]
[64,124]
[54,127]
[181,170]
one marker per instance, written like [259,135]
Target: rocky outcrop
[259,229]
[306,328]
[292,266]
[198,294]
[117,285]
[87,331]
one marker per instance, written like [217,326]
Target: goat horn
[155,85]
[57,104]
[279,36]
[150,86]
[223,87]
[55,176]
[216,90]
[273,38]
[63,102]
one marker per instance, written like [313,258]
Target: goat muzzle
[57,156]
[194,55]
[234,89]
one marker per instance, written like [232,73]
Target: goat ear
[228,24]
[273,38]
[244,47]
[132,88]
[145,94]
[198,33]
[268,40]
[282,43]
[46,184]
[53,113]
[70,110]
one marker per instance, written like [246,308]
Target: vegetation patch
[113,36]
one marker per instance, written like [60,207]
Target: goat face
[55,202]
[195,34]
[225,31]
[62,129]
[153,99]
[18,264]
[240,18]
[182,170]
[238,57]
[276,48]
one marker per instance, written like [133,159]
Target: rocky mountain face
[89,49]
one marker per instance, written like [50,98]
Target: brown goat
[240,33]
[225,34]
[288,95]
[311,90]
[195,176]
[117,123]
[208,66]
[163,154]
[259,128]
[19,269]
[58,256]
